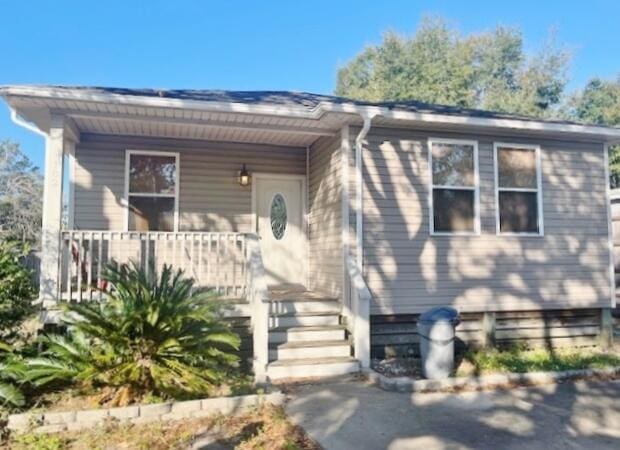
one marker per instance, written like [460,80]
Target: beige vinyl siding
[324,219]
[409,271]
[210,198]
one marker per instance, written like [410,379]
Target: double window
[152,187]
[454,188]
[453,202]
[518,184]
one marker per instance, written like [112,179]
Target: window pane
[516,167]
[453,210]
[278,216]
[151,214]
[518,212]
[151,174]
[453,164]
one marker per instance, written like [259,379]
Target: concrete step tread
[313,361]
[310,344]
[309,328]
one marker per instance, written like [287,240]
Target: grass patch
[520,360]
[265,427]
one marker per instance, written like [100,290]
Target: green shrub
[521,359]
[10,375]
[154,334]
[16,289]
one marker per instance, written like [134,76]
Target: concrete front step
[307,334]
[313,367]
[318,306]
[309,350]
[304,320]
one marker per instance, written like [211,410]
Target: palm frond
[10,394]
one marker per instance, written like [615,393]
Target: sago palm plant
[10,394]
[153,334]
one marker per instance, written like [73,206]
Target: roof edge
[604,133]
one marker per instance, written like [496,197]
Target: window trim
[177,185]
[537,190]
[475,188]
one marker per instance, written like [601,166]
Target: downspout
[361,306]
[610,229]
[359,203]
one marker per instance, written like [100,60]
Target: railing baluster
[70,269]
[147,250]
[243,266]
[233,260]
[200,281]
[209,259]
[80,254]
[174,251]
[191,256]
[218,249]
[66,257]
[89,266]
[99,265]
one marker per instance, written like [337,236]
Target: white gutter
[17,120]
[609,134]
[359,180]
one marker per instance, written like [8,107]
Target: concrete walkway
[353,415]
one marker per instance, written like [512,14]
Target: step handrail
[360,309]
[258,297]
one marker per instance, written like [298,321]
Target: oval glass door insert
[278,216]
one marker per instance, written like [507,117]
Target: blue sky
[281,45]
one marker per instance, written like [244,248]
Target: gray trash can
[436,332]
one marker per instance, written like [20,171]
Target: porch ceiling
[119,119]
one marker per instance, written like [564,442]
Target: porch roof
[275,117]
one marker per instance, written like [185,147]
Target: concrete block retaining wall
[49,422]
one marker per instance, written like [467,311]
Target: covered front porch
[243,202]
[188,192]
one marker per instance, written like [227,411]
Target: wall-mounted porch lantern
[244,177]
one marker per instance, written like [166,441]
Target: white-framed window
[518,189]
[151,190]
[454,203]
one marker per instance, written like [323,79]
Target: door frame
[304,208]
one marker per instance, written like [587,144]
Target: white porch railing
[214,260]
[360,298]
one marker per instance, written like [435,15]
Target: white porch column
[69,168]
[52,212]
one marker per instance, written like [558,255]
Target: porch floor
[296,292]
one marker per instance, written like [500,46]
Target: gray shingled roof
[303,99]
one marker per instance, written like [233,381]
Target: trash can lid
[440,314]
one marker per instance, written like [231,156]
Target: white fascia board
[607,134]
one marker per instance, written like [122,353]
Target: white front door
[280,225]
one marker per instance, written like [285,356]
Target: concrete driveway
[353,415]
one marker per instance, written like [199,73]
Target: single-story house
[330,224]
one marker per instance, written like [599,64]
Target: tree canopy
[599,103]
[21,194]
[489,70]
